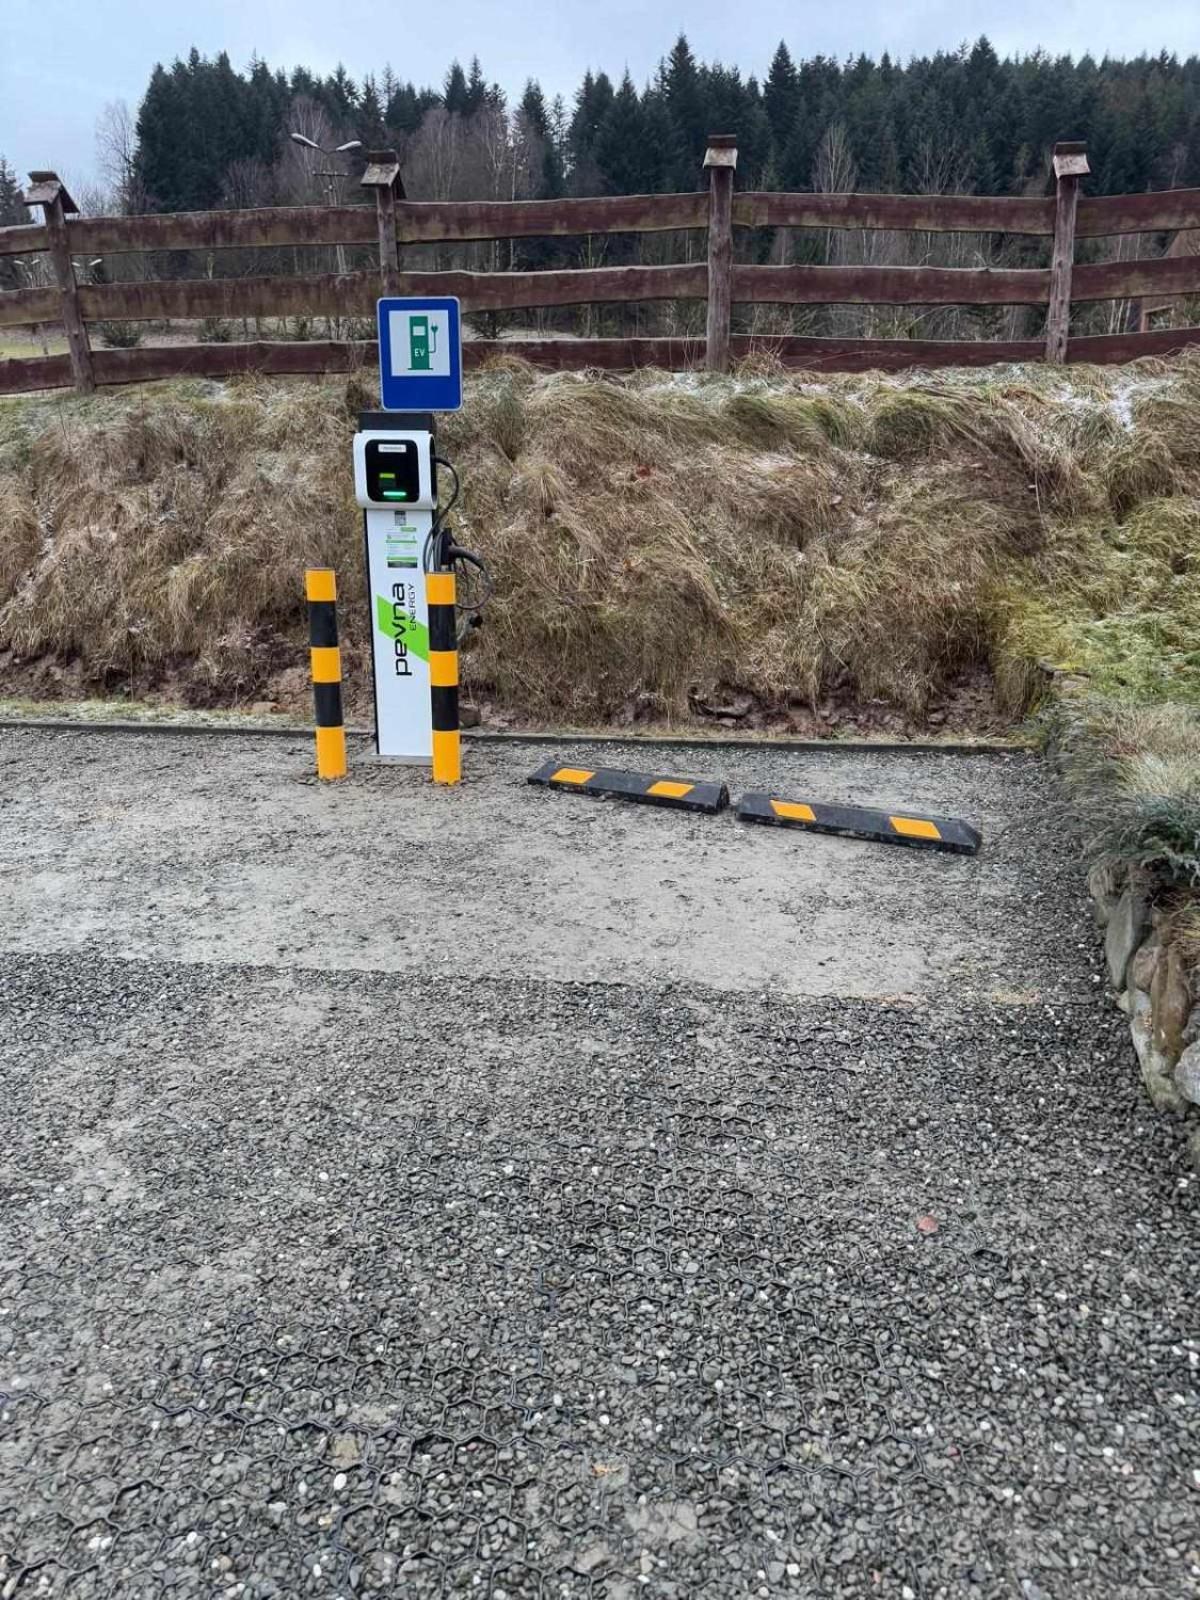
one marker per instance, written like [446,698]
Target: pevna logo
[397,620]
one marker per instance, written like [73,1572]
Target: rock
[1156,1069]
[1104,886]
[468,716]
[1187,1074]
[1126,928]
[1171,1003]
[1145,961]
[345,1451]
[1192,1030]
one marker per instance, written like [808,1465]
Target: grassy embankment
[657,543]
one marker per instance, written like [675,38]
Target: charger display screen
[393,471]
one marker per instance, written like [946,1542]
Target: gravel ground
[209,849]
[329,1277]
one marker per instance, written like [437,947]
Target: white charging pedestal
[395,482]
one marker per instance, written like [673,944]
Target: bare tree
[247,182]
[116,156]
[836,172]
[435,156]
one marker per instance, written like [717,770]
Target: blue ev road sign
[420,354]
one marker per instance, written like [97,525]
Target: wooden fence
[396,222]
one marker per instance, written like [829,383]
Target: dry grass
[175,529]
[653,539]
[1134,775]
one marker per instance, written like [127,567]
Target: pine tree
[454,92]
[536,120]
[592,103]
[781,96]
[679,83]
[405,108]
[477,90]
[533,108]
[369,123]
[620,152]
[656,172]
[160,122]
[12,212]
[11,209]
[339,94]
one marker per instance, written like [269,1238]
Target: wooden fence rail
[394,223]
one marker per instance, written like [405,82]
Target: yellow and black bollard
[440,595]
[320,584]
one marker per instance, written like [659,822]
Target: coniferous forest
[963,121]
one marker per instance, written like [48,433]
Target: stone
[1187,1074]
[1104,886]
[1156,1069]
[1171,1003]
[1126,929]
[1144,963]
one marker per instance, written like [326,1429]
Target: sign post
[395,481]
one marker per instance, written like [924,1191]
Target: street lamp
[338,150]
[331,178]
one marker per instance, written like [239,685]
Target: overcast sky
[61,60]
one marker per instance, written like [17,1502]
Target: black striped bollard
[440,596]
[320,585]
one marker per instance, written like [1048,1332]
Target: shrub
[120,335]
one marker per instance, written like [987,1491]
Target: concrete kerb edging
[294,730]
[1154,989]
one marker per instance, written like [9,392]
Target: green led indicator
[390,475]
[394,494]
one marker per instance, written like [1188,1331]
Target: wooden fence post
[383,176]
[48,191]
[721,160]
[1070,164]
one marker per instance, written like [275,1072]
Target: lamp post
[332,177]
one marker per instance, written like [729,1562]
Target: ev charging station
[395,482]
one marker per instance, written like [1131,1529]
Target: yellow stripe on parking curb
[862,822]
[616,783]
[915,827]
[793,810]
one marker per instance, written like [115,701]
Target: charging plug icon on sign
[419,340]
[422,344]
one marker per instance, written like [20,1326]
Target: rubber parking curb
[915,829]
[646,788]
